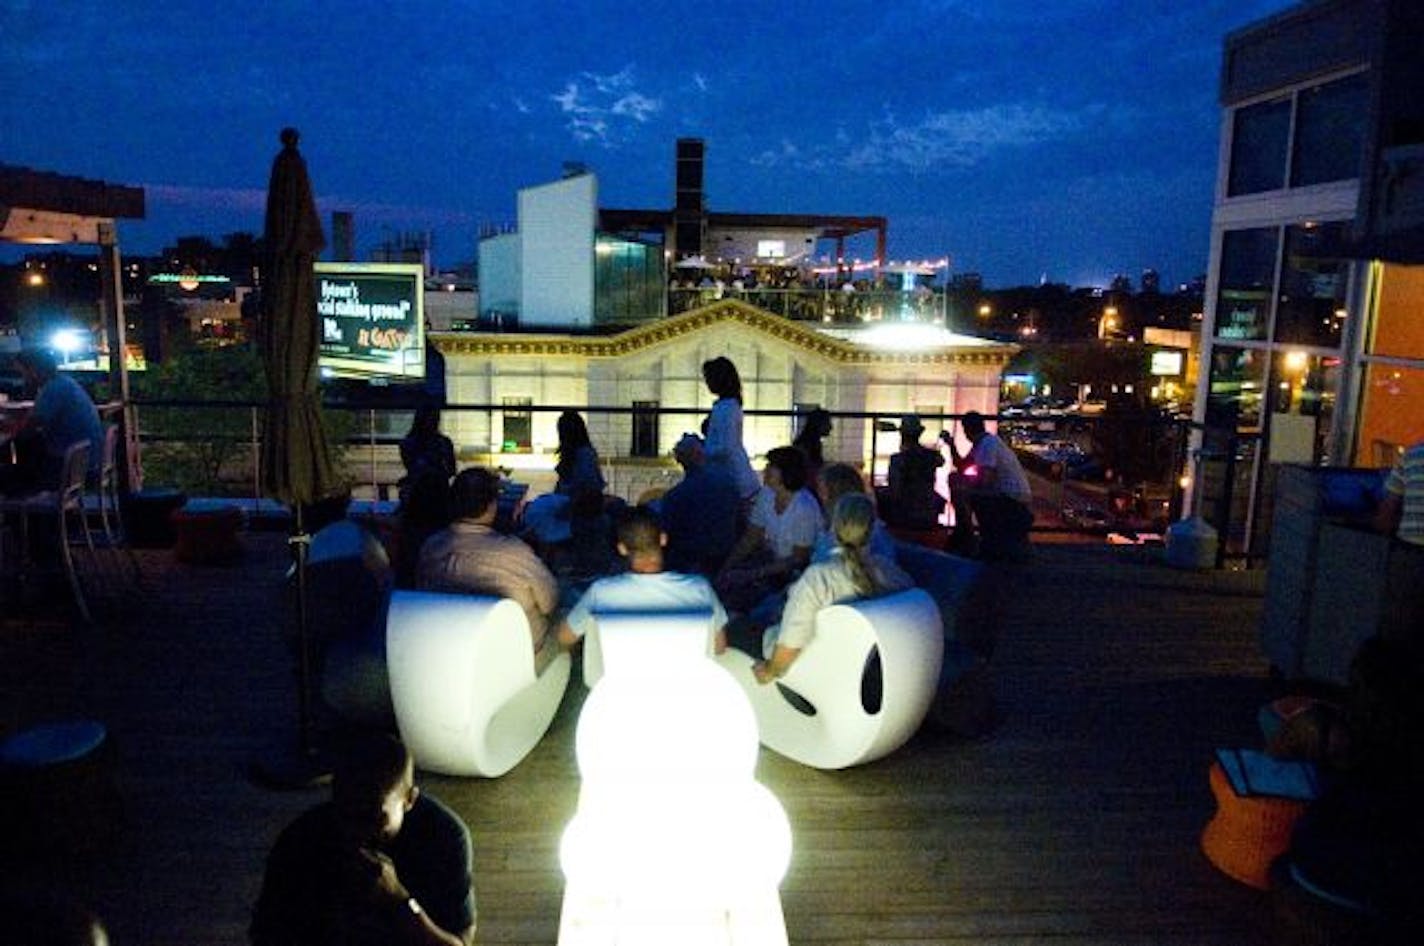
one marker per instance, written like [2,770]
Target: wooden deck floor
[1075,822]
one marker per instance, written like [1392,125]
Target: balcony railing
[1101,477]
[812,304]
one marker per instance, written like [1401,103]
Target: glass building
[1313,345]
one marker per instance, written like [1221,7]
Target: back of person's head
[639,532]
[426,422]
[791,463]
[722,378]
[472,492]
[573,432]
[816,426]
[689,450]
[839,479]
[38,360]
[973,423]
[852,520]
[368,764]
[586,503]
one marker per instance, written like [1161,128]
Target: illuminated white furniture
[674,840]
[655,637]
[466,696]
[839,731]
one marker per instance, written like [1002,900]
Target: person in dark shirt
[700,514]
[379,863]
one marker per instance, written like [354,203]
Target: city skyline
[1072,141]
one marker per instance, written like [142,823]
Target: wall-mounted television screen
[372,320]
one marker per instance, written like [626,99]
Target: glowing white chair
[674,840]
[833,728]
[466,696]
[645,638]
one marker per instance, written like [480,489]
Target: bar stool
[66,505]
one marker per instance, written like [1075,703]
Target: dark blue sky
[1072,138]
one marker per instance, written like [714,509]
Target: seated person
[469,556]
[909,499]
[997,488]
[785,520]
[699,514]
[837,480]
[854,572]
[378,863]
[63,415]
[644,587]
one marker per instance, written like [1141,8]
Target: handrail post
[371,432]
[256,462]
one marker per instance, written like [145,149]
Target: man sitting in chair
[470,557]
[644,587]
[378,863]
[62,416]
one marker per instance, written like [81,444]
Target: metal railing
[1069,457]
[821,304]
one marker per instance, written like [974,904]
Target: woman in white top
[724,448]
[777,542]
[854,572]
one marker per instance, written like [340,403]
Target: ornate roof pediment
[708,318]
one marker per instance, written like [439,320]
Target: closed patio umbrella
[296,462]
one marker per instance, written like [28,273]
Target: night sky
[1020,138]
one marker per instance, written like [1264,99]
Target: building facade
[642,388]
[1313,342]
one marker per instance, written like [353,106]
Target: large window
[628,282]
[1238,377]
[1329,132]
[1392,388]
[518,425]
[645,429]
[1258,148]
[1312,136]
[1310,307]
[1248,274]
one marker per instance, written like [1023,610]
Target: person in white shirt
[997,489]
[724,447]
[644,587]
[777,544]
[854,572]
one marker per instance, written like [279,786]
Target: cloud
[603,107]
[958,139]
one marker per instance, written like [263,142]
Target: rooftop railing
[818,304]
[1096,477]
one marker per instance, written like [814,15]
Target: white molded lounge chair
[833,729]
[463,685]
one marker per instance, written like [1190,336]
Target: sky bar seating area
[1075,820]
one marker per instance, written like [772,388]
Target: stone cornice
[675,327]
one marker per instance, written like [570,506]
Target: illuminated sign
[372,318]
[1167,362]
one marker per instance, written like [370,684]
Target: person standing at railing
[997,488]
[724,447]
[1401,512]
[909,500]
[425,450]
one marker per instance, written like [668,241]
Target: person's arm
[782,657]
[413,922]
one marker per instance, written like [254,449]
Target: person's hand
[719,641]
[385,883]
[763,672]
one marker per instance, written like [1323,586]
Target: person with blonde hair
[834,481]
[852,573]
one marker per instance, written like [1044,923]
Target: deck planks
[1075,822]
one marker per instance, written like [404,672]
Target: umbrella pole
[303,765]
[300,544]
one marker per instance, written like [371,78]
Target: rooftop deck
[1075,822]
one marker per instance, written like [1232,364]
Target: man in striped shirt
[1401,512]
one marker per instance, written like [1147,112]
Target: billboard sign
[372,318]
